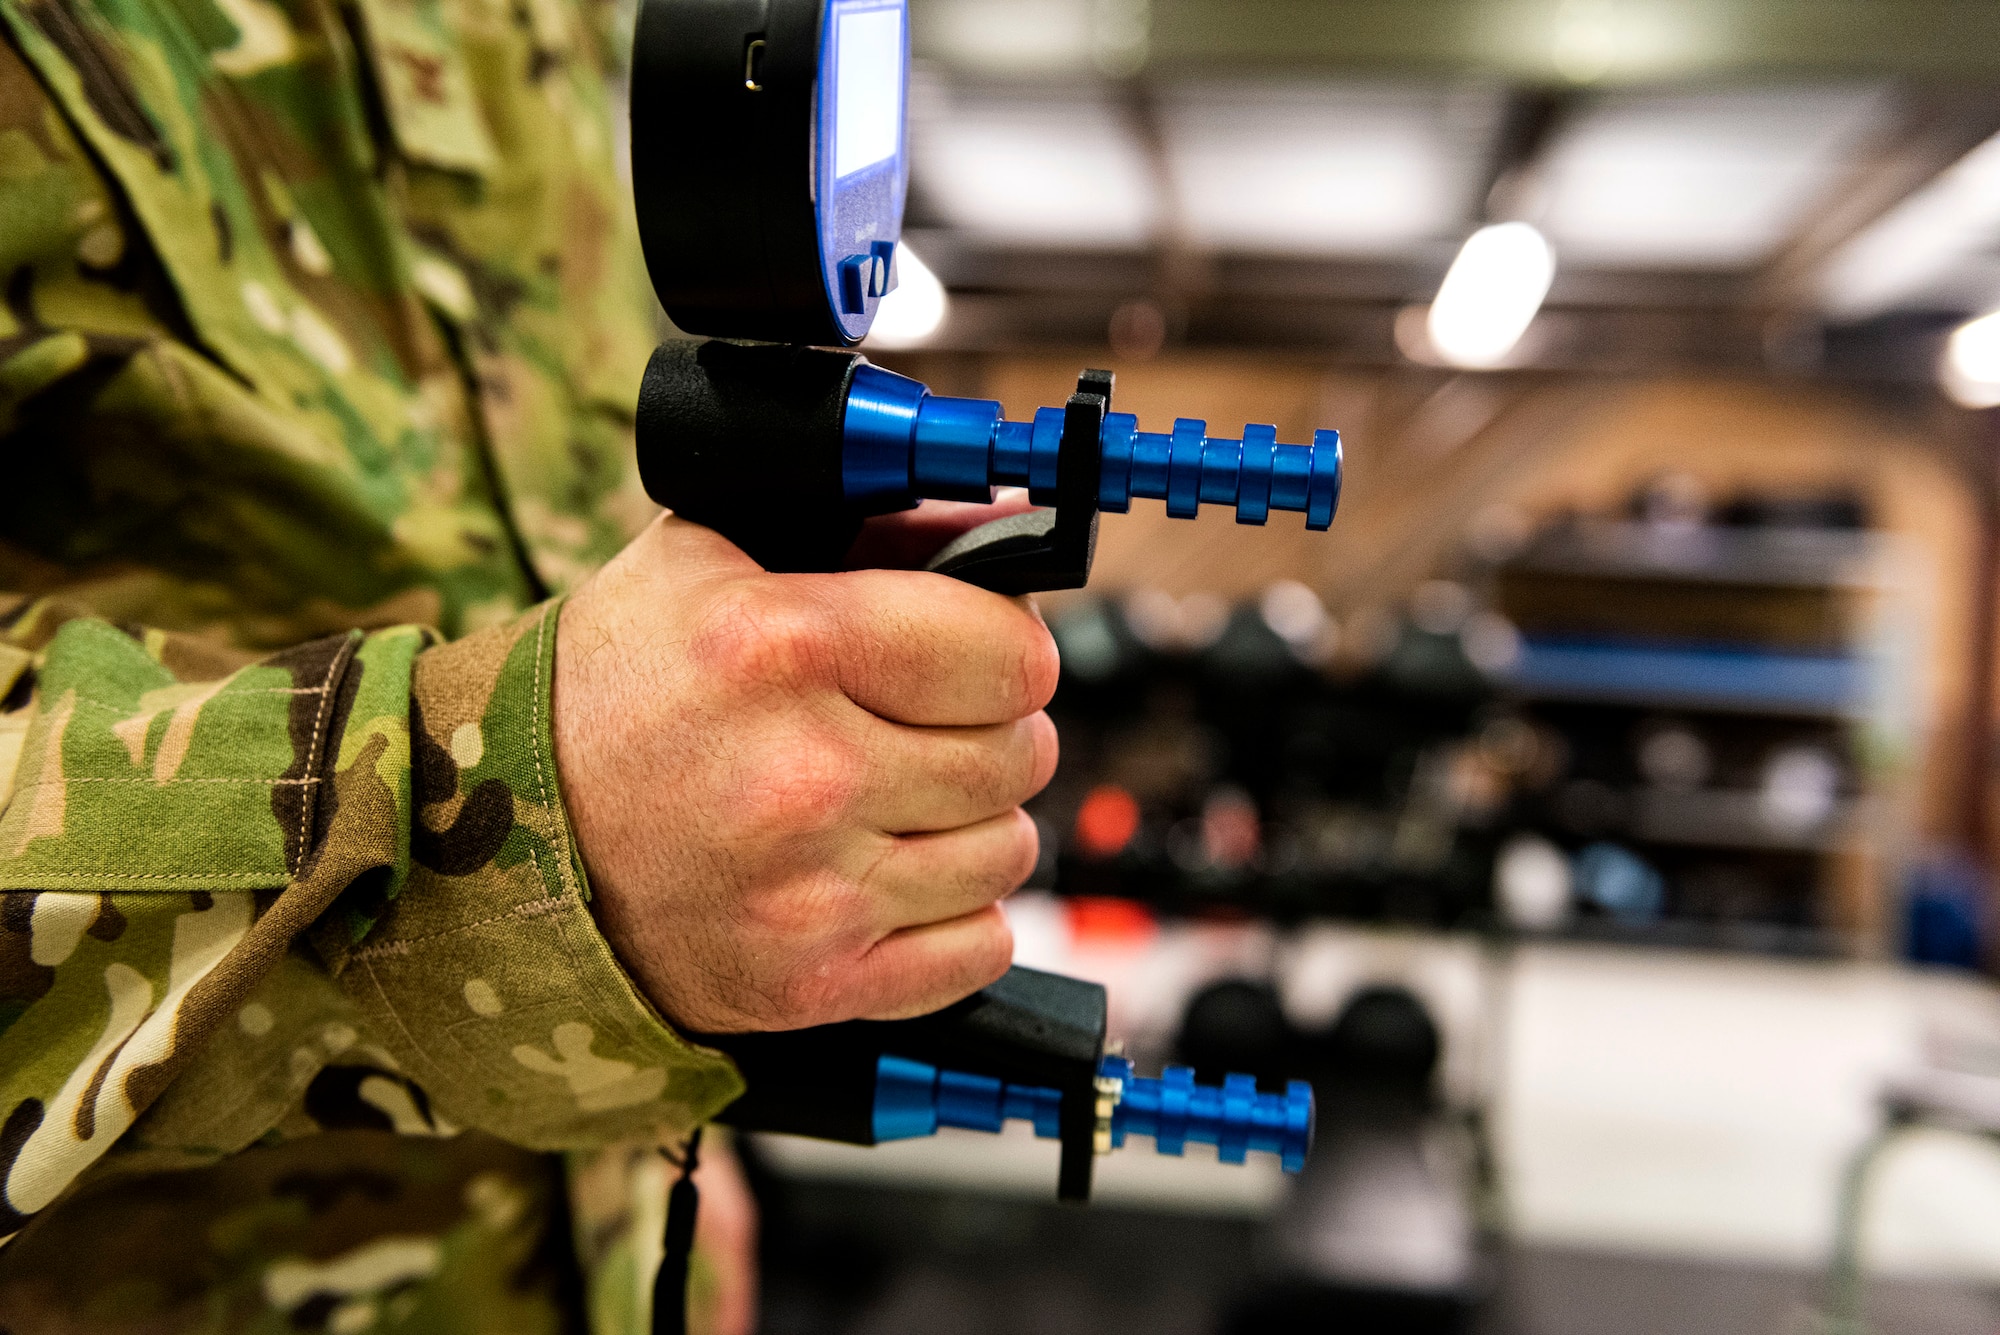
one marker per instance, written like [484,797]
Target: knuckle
[783,922]
[802,785]
[750,635]
[811,786]
[810,932]
[821,911]
[801,995]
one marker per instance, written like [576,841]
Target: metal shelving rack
[1735,635]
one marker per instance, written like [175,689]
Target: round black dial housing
[769,162]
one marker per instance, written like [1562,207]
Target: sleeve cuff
[486,972]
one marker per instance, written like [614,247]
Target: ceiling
[1713,176]
[1381,168]
[1605,41]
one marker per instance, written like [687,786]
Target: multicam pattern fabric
[321,321]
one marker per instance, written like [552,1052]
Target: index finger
[933,651]
[908,539]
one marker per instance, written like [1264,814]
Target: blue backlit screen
[868,87]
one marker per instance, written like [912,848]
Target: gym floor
[855,1260]
[1668,1131]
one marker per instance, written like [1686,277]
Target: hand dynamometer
[770,162]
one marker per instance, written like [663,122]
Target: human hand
[798,796]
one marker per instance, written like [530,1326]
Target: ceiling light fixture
[1061,170]
[1490,295]
[912,312]
[1971,369]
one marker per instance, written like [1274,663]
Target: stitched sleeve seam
[275,877]
[533,908]
[168,783]
[553,812]
[313,756]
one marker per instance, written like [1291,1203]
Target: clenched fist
[798,796]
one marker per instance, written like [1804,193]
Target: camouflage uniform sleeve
[488,977]
[334,887]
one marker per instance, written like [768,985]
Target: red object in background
[1106,821]
[1100,920]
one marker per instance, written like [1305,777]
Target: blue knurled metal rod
[914,1099]
[1233,1116]
[904,443]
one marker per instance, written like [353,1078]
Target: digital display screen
[868,87]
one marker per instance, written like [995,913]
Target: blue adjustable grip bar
[1233,1117]
[914,1099]
[902,443]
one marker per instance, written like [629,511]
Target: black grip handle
[1029,1028]
[746,438]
